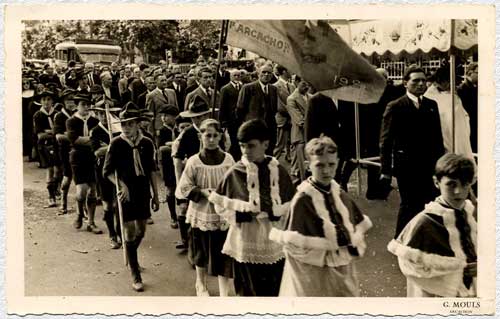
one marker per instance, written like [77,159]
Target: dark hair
[71,64]
[143,66]
[280,69]
[442,74]
[253,130]
[412,69]
[455,166]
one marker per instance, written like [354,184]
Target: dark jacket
[321,117]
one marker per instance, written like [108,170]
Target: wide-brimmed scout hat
[46,92]
[96,89]
[66,92]
[99,106]
[197,107]
[82,97]
[169,109]
[130,112]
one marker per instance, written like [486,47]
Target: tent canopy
[407,37]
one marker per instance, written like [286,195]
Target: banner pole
[358,147]
[222,38]
[452,84]
[120,212]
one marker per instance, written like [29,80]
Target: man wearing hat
[63,144]
[130,164]
[82,160]
[99,137]
[49,76]
[96,92]
[166,136]
[83,84]
[43,125]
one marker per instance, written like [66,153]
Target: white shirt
[264,87]
[414,99]
[462,122]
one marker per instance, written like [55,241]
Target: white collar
[413,98]
[263,86]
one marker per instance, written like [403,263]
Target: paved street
[60,260]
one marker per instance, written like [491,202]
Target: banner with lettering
[314,51]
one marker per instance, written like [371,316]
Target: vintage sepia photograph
[217,157]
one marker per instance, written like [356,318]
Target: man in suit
[92,78]
[296,105]
[110,91]
[321,118]
[467,91]
[150,83]
[227,113]
[158,99]
[282,117]
[115,74]
[192,81]
[122,83]
[179,86]
[259,100]
[204,90]
[410,145]
[138,85]
[224,76]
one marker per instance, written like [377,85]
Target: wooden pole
[117,185]
[452,85]
[222,38]
[358,147]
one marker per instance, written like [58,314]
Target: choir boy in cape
[253,196]
[437,250]
[325,231]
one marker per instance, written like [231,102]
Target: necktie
[209,94]
[419,102]
[265,89]
[164,95]
[85,127]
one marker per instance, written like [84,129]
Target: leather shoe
[174,225]
[138,286]
[93,229]
[114,244]
[78,222]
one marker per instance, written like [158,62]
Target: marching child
[63,144]
[325,231]
[99,137]
[253,196]
[166,136]
[131,156]
[437,250]
[208,231]
[43,125]
[82,161]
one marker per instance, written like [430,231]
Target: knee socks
[183,228]
[131,249]
[171,207]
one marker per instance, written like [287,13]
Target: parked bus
[99,52]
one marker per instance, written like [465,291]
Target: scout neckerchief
[49,116]
[85,124]
[104,128]
[63,110]
[139,171]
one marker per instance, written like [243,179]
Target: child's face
[453,191]
[130,128]
[254,150]
[168,119]
[210,138]
[184,125]
[323,167]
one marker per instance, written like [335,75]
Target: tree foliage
[149,37]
